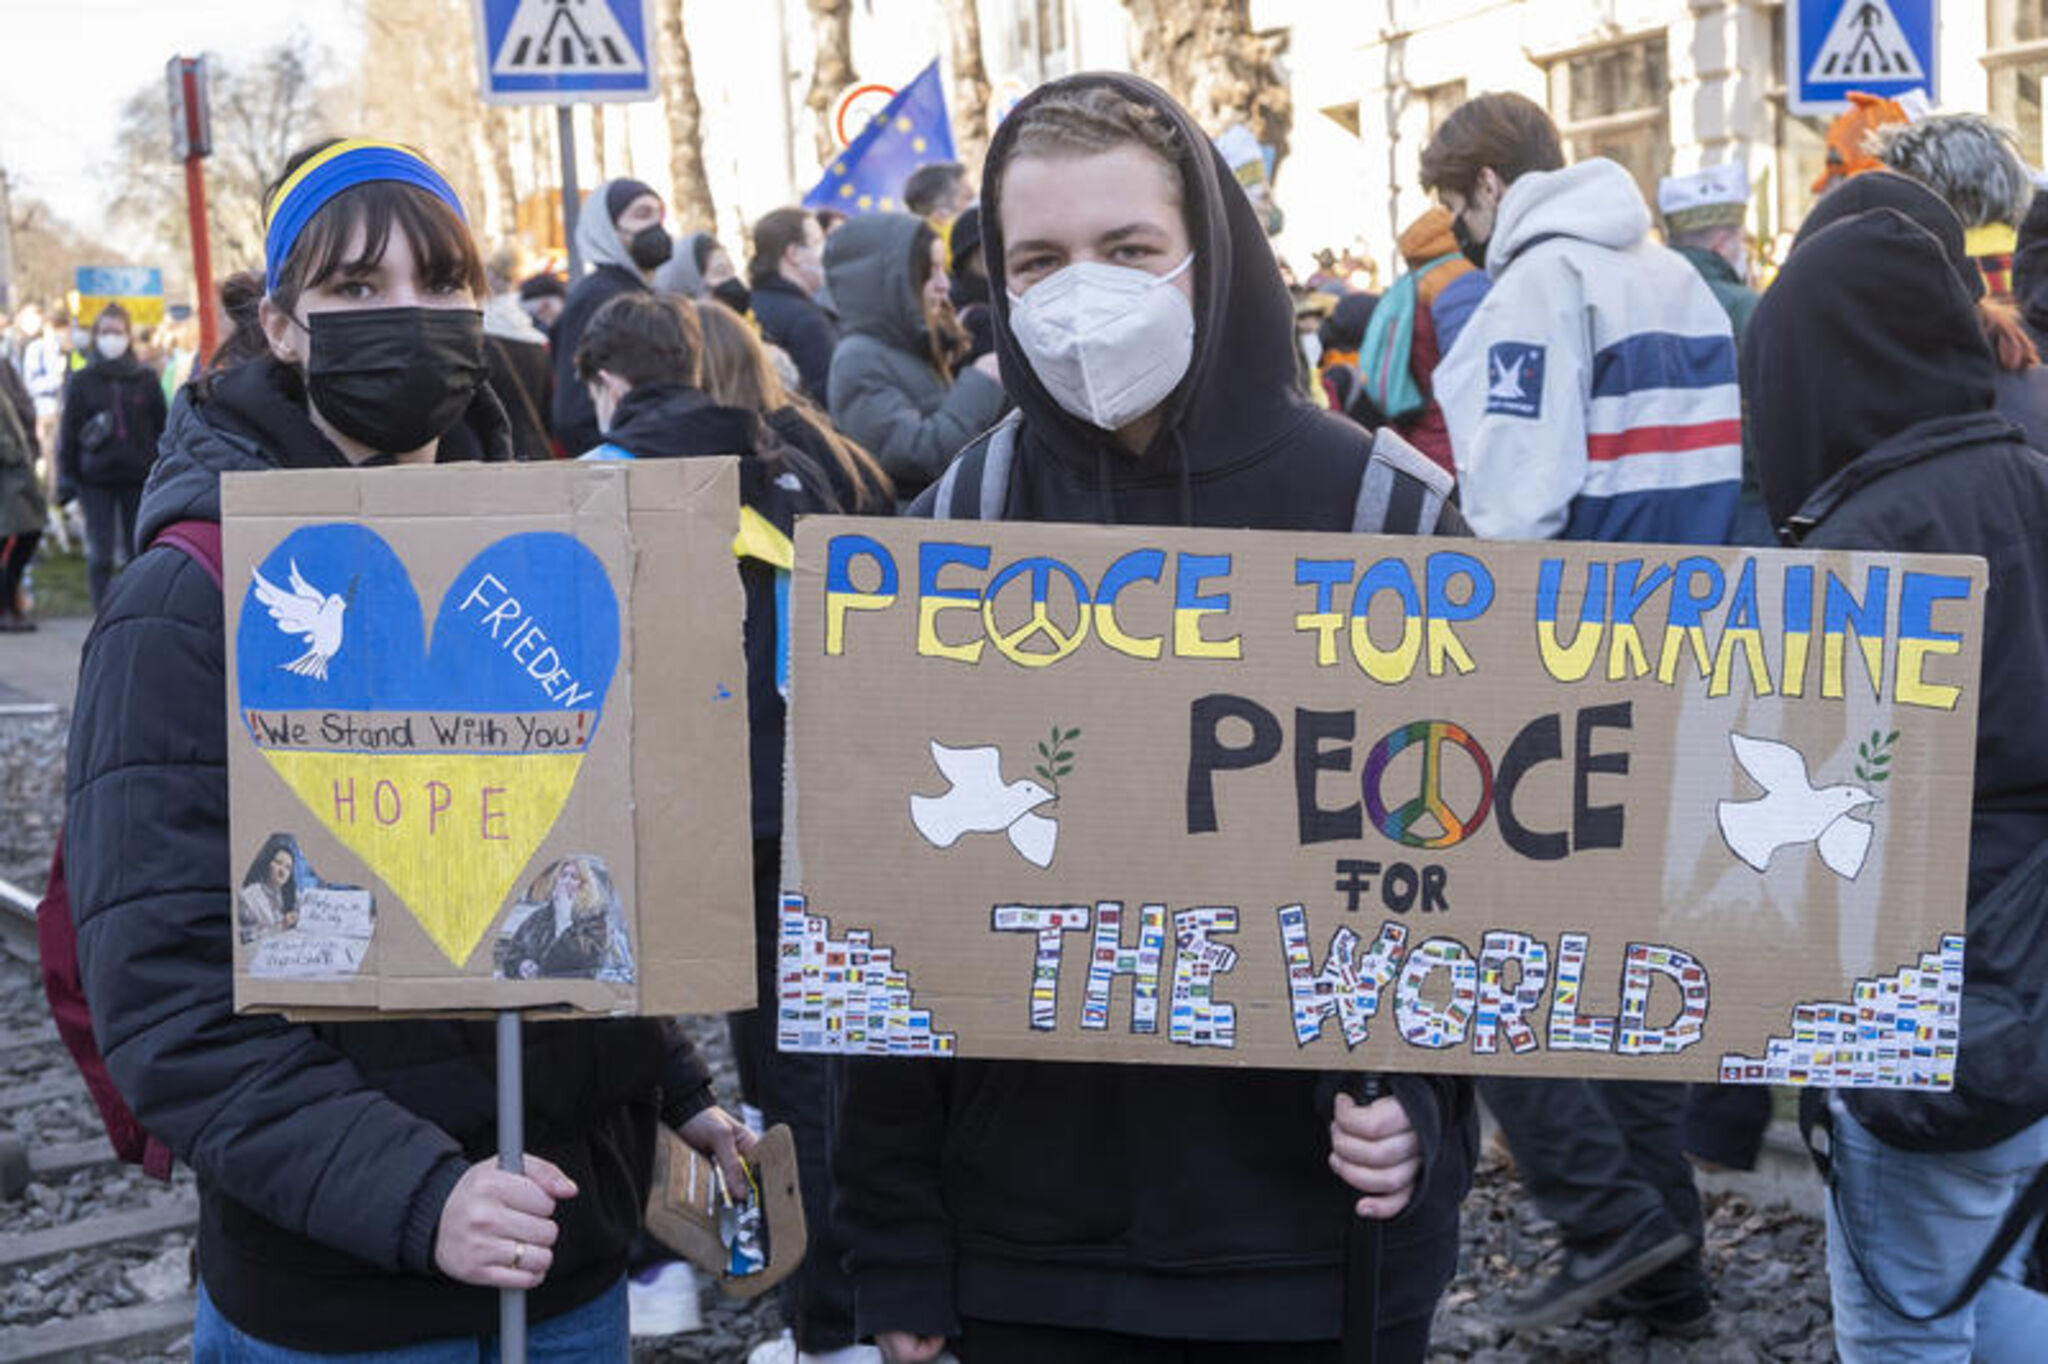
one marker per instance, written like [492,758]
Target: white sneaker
[661,1300]
[781,1350]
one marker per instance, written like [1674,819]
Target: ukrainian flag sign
[911,131]
[139,290]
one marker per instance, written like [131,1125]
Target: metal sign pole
[511,1156]
[565,134]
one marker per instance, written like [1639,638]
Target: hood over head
[1868,331]
[1594,201]
[1903,195]
[597,230]
[867,268]
[1240,391]
[505,319]
[683,272]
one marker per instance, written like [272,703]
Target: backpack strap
[976,486]
[1403,491]
[198,540]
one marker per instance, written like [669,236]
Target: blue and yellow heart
[444,764]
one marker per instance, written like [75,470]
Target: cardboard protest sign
[487,739]
[1225,797]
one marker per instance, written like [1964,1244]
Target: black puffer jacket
[1149,1200]
[1870,393]
[116,407]
[324,1153]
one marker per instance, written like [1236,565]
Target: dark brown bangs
[441,242]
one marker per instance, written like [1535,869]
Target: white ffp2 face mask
[1108,342]
[112,345]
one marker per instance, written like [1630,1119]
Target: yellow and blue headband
[344,165]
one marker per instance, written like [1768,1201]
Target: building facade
[1662,86]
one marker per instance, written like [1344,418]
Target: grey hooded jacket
[884,391]
[612,273]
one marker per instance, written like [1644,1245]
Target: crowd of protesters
[1101,334]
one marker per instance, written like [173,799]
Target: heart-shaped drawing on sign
[443,768]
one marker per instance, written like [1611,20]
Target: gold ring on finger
[518,1253]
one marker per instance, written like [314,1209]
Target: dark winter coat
[792,319]
[575,420]
[1167,1200]
[884,392]
[15,393]
[1738,300]
[1876,431]
[522,375]
[324,1152]
[22,506]
[2030,271]
[670,421]
[130,396]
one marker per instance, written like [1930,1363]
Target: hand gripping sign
[1185,796]
[466,739]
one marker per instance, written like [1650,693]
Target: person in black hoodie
[106,443]
[1084,1212]
[1871,397]
[642,359]
[968,274]
[349,1191]
[622,242]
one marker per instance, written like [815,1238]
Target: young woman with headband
[350,1199]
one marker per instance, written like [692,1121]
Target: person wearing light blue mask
[1120,1212]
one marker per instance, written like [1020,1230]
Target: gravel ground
[1768,1266]
[31,795]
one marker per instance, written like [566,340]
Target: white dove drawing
[309,613]
[1507,379]
[981,802]
[1793,810]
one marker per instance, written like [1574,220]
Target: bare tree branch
[694,207]
[831,69]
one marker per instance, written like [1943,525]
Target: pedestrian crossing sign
[1881,47]
[565,51]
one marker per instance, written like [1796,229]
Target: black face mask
[1475,251]
[395,378]
[734,295]
[651,247]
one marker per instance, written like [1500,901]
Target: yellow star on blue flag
[911,131]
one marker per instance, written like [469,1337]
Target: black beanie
[622,193]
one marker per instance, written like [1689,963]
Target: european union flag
[912,131]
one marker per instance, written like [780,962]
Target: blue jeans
[596,1331]
[1920,1220]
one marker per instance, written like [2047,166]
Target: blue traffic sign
[565,51]
[1881,47]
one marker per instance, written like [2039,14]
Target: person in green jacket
[1703,222]
[1703,217]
